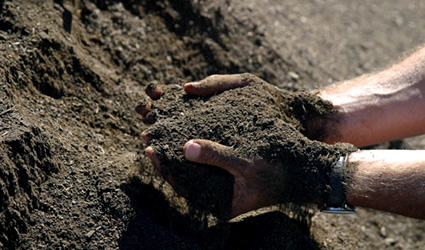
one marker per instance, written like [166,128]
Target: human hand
[258,181]
[211,85]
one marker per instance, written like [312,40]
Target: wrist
[312,180]
[336,201]
[318,118]
[326,127]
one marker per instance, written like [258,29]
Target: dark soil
[73,71]
[258,122]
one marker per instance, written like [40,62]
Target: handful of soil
[257,121]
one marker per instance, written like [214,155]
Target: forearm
[388,180]
[379,107]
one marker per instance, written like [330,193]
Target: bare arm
[389,180]
[379,107]
[372,109]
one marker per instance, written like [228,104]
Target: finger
[145,137]
[150,118]
[150,152]
[218,83]
[143,108]
[154,91]
[178,188]
[214,154]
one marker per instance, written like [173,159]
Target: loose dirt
[258,122]
[73,71]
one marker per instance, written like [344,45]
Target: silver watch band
[337,202]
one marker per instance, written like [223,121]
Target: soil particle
[258,122]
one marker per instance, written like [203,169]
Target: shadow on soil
[156,225]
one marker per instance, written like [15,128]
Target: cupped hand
[295,169]
[211,85]
[256,182]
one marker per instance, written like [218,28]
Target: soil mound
[71,154]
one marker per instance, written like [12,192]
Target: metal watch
[337,202]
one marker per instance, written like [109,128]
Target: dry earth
[72,171]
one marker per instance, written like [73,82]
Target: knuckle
[248,75]
[212,78]
[212,158]
[211,153]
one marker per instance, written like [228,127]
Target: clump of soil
[258,122]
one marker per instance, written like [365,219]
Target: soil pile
[74,70]
[72,73]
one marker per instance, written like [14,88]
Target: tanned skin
[389,180]
[371,109]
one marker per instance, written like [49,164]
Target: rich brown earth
[258,122]
[73,71]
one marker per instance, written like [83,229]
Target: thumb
[217,83]
[214,154]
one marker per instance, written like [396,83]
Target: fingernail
[193,151]
[143,108]
[190,84]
